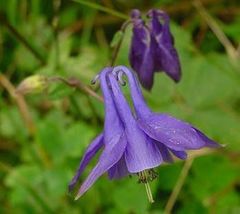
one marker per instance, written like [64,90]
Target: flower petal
[92,149]
[140,105]
[112,153]
[119,170]
[180,154]
[112,124]
[174,133]
[164,152]
[141,152]
[208,142]
[165,55]
[140,54]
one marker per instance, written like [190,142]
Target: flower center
[145,177]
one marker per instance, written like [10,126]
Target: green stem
[101,8]
[119,44]
[20,38]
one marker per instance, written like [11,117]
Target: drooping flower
[141,54]
[135,142]
[178,136]
[126,148]
[152,48]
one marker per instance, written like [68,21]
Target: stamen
[144,177]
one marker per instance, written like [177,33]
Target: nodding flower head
[135,141]
[152,47]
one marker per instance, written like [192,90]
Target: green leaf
[116,38]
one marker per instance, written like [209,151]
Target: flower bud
[33,84]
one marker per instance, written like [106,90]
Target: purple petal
[92,149]
[112,153]
[140,54]
[112,125]
[119,170]
[165,55]
[180,154]
[135,14]
[174,133]
[164,152]
[140,105]
[113,137]
[208,142]
[141,152]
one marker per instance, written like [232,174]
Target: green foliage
[37,164]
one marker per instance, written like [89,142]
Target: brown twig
[21,103]
[173,197]
[24,111]
[76,83]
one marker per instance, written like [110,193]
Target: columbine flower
[127,149]
[152,48]
[176,135]
[135,142]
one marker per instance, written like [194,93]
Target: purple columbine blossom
[152,48]
[135,142]
[121,154]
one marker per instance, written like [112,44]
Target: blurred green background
[44,135]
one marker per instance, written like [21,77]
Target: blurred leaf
[60,91]
[212,174]
[116,38]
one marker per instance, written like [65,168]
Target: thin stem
[101,8]
[24,111]
[173,197]
[55,21]
[21,104]
[20,38]
[118,46]
[231,51]
[76,83]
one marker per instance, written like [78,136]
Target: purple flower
[152,48]
[135,142]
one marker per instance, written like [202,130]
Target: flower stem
[119,44]
[102,8]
